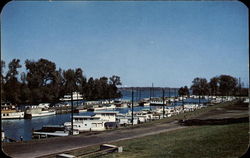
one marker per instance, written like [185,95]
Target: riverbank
[59,145]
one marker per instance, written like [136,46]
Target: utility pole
[183,102]
[199,99]
[150,97]
[163,102]
[239,89]
[176,95]
[71,113]
[77,98]
[169,96]
[132,106]
[139,93]
[153,89]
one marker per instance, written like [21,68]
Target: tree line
[42,82]
[223,85]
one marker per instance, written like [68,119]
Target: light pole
[163,102]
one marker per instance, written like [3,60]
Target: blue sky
[165,43]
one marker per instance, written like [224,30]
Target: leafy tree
[70,81]
[24,90]
[12,85]
[227,85]
[57,85]
[199,86]
[186,90]
[40,77]
[214,86]
[2,81]
[89,89]
[183,91]
[114,81]
[104,87]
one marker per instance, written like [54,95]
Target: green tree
[214,86]
[40,77]
[227,85]
[73,80]
[70,84]
[12,85]
[24,90]
[183,91]
[89,89]
[114,81]
[199,86]
[3,97]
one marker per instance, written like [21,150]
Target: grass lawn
[202,141]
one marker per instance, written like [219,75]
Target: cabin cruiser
[38,111]
[9,111]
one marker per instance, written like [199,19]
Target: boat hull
[29,116]
[12,115]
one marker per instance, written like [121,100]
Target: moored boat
[9,111]
[38,111]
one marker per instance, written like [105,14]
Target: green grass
[203,141]
[186,115]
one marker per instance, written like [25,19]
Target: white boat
[144,103]
[246,100]
[76,96]
[105,107]
[86,123]
[36,111]
[10,112]
[95,122]
[52,131]
[126,119]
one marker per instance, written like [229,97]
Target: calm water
[23,127]
[138,95]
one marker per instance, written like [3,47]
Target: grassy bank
[203,141]
[229,140]
[187,115]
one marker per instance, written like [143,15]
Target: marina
[23,128]
[124,79]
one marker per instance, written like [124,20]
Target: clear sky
[165,43]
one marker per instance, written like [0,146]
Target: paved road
[54,145]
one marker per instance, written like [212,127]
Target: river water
[14,128]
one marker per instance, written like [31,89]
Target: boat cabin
[107,116]
[86,123]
